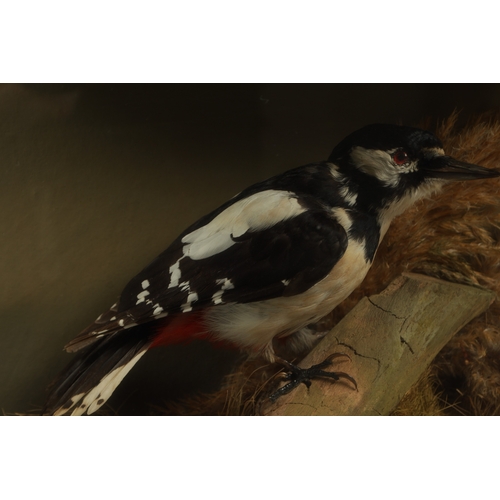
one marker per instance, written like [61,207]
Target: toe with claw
[298,376]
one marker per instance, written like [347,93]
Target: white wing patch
[259,211]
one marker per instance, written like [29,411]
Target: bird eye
[400,157]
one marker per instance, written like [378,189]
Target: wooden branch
[391,338]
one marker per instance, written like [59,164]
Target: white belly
[255,324]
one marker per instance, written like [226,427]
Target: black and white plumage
[269,262]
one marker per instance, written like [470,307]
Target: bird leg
[298,376]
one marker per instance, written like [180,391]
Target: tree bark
[391,338]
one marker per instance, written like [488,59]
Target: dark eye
[400,157]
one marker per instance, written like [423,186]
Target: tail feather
[95,372]
[101,363]
[94,399]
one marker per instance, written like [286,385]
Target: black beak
[449,169]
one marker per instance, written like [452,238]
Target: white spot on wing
[227,284]
[141,297]
[145,284]
[175,274]
[158,310]
[192,297]
[256,212]
[217,297]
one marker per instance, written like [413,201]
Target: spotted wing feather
[269,259]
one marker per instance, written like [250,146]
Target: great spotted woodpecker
[274,259]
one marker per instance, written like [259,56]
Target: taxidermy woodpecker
[265,265]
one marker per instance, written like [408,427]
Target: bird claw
[304,376]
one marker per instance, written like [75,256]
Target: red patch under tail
[184,328]
[178,329]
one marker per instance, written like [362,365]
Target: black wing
[284,258]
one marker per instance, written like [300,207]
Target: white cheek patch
[379,164]
[257,212]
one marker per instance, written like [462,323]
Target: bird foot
[298,376]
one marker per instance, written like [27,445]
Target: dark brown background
[96,180]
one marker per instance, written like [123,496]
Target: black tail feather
[90,366]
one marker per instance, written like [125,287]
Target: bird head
[392,166]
